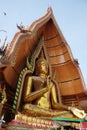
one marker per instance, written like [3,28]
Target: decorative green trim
[18,89]
[30,63]
[69,119]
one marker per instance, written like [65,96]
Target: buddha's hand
[79,113]
[49,82]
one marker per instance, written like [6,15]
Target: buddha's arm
[78,113]
[28,94]
[55,103]
[35,95]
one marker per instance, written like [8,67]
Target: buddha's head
[42,66]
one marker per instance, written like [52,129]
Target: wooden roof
[65,67]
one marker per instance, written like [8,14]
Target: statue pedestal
[83,125]
[75,123]
[54,123]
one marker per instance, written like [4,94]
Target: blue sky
[71,16]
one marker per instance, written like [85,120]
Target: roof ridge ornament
[22,28]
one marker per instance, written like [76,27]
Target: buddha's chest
[38,83]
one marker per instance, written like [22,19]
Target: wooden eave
[61,60]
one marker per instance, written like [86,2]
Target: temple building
[42,39]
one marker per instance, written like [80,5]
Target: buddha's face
[42,67]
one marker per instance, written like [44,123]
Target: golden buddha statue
[40,96]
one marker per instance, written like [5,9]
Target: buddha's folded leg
[34,110]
